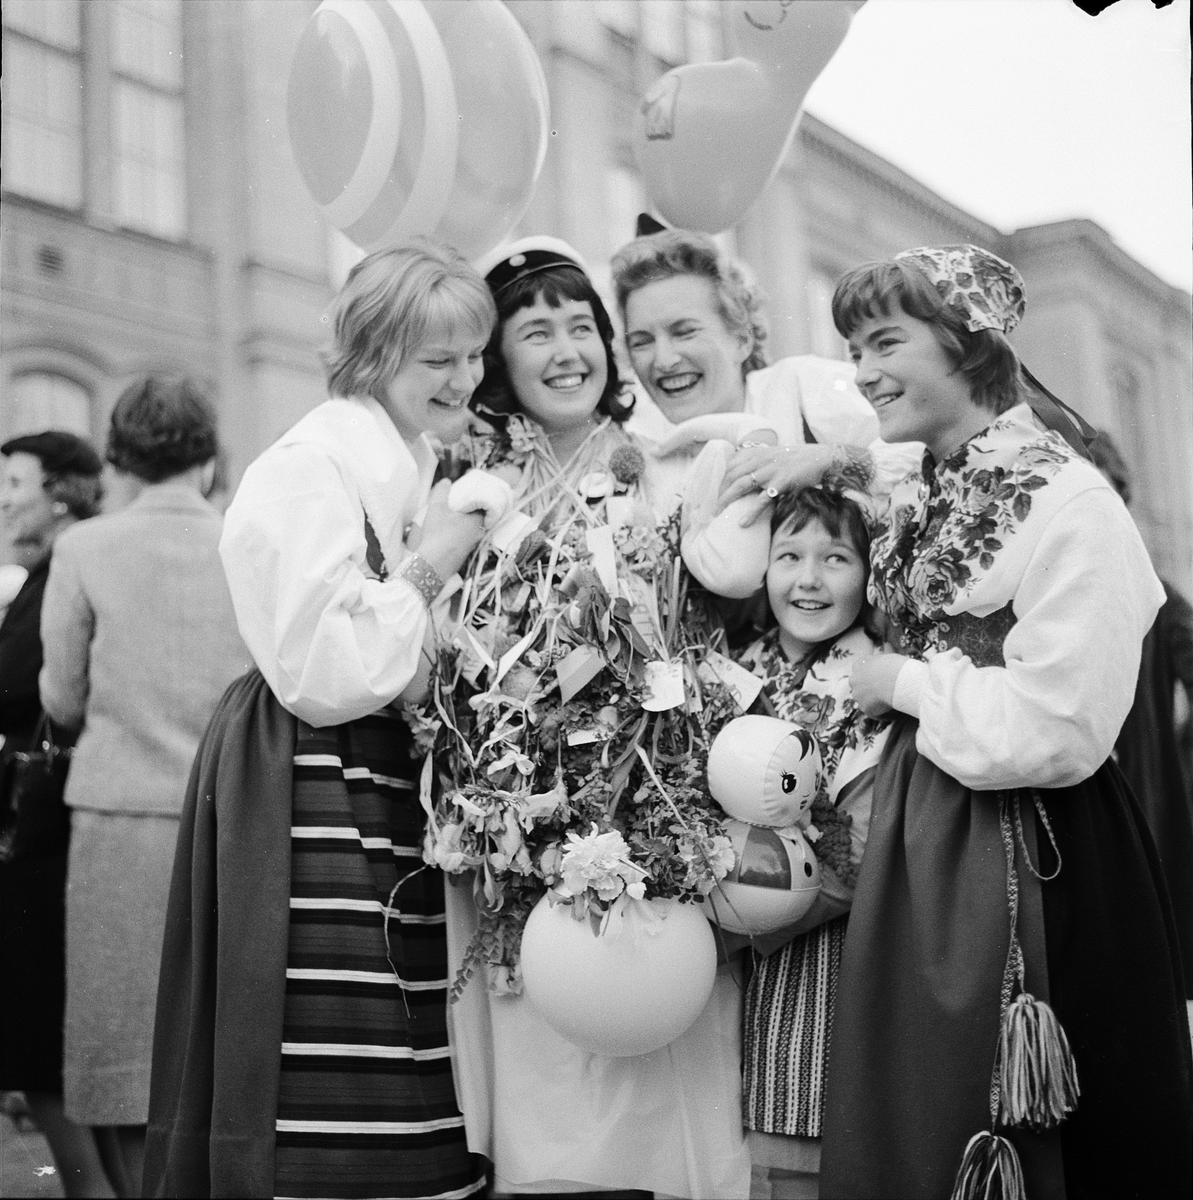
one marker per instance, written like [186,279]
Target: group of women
[303,1043]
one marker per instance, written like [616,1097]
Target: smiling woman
[1017,591]
[302,822]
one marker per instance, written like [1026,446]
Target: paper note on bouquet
[743,686]
[664,686]
[508,533]
[604,559]
[619,511]
[577,671]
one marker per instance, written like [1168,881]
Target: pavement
[26,1164]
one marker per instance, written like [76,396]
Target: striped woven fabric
[788,1025]
[366,1104]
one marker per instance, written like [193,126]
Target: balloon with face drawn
[708,137]
[765,773]
[418,117]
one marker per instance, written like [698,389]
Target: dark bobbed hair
[675,252]
[161,427]
[795,508]
[554,285]
[70,468]
[1109,460]
[985,358]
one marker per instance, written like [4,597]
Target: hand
[447,537]
[773,468]
[872,682]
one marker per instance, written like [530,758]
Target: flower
[600,862]
[627,464]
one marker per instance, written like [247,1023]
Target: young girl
[816,577]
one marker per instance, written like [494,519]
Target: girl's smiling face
[917,392]
[682,350]
[556,362]
[431,389]
[816,584]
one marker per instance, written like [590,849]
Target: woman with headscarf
[1010,1005]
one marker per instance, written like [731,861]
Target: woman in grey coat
[141,642]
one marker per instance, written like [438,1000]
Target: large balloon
[709,137]
[627,991]
[418,116]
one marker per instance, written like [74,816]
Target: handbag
[34,820]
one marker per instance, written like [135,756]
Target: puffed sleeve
[67,627]
[1050,716]
[727,559]
[333,643]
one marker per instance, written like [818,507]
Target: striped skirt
[366,1103]
[788,1024]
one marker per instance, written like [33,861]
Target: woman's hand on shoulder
[872,682]
[447,537]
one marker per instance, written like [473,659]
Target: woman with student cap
[1010,1015]
[554,1118]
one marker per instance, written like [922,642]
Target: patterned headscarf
[985,290]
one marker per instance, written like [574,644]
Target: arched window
[41,400]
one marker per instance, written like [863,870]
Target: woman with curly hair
[140,643]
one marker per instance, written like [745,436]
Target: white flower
[601,862]
[539,805]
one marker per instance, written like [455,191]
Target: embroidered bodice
[940,565]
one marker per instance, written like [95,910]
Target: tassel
[989,1170]
[1035,1067]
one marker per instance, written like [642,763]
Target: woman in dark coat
[50,481]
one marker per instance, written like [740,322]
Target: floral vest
[960,534]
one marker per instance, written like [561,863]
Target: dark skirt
[366,1101]
[915,1035]
[33,971]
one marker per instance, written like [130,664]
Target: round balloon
[708,137]
[409,117]
[773,882]
[625,994]
[764,771]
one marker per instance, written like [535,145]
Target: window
[40,401]
[147,116]
[43,110]
[703,21]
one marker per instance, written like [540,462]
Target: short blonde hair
[683,252]
[393,300]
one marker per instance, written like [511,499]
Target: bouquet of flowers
[571,713]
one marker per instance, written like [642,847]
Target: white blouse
[1049,718]
[333,641]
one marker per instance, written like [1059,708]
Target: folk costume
[332,1074]
[1014,577]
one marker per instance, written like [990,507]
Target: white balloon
[626,992]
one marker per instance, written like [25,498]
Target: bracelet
[421,576]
